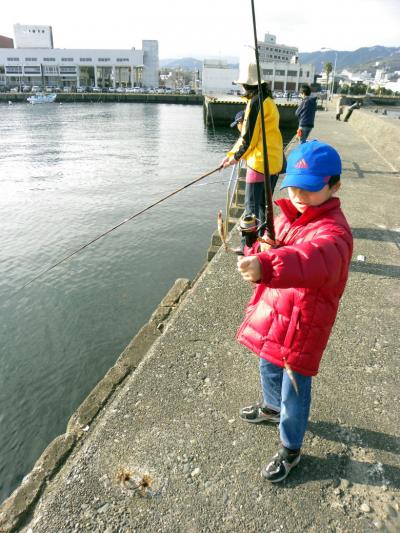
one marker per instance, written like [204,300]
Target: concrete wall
[382,133]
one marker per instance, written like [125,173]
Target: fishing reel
[250,228]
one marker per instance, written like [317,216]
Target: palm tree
[328,69]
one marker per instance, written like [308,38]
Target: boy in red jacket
[299,282]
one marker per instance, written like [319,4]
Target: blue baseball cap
[310,165]
[239,117]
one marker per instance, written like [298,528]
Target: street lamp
[334,69]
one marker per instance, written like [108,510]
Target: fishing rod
[119,225]
[267,180]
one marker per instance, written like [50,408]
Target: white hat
[247,74]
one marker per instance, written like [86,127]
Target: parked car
[49,89]
[26,88]
[80,89]
[14,89]
[96,89]
[67,89]
[36,88]
[120,90]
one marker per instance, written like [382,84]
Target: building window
[12,58]
[85,59]
[292,72]
[268,71]
[280,72]
[32,70]
[31,59]
[67,70]
[103,59]
[120,59]
[50,70]
[13,70]
[301,73]
[307,74]
[69,59]
[49,59]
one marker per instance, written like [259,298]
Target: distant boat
[40,98]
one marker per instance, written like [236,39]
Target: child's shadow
[335,466]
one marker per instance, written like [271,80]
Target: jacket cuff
[251,250]
[266,268]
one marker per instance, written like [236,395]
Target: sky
[210,28]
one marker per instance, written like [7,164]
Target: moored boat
[40,98]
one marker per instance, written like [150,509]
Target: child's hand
[250,268]
[266,243]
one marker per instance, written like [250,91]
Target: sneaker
[281,464]
[256,414]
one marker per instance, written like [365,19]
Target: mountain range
[357,60]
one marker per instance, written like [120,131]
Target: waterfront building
[270,51]
[33,36]
[42,65]
[279,65]
[218,77]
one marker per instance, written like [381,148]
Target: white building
[218,77]
[278,64]
[48,66]
[33,36]
[283,76]
[151,66]
[270,51]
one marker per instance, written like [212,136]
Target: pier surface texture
[167,452]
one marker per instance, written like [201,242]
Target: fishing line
[119,225]
[211,183]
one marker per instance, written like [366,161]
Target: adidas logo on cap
[302,163]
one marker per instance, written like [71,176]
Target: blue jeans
[305,132]
[279,394]
[254,200]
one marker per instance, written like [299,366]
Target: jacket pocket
[292,327]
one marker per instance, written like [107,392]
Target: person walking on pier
[356,105]
[339,107]
[306,113]
[249,145]
[298,283]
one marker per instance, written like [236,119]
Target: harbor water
[67,174]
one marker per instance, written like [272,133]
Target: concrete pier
[220,111]
[189,99]
[158,446]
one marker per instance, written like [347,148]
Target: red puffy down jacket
[293,308]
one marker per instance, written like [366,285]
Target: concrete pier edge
[17,507]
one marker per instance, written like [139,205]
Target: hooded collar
[311,213]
